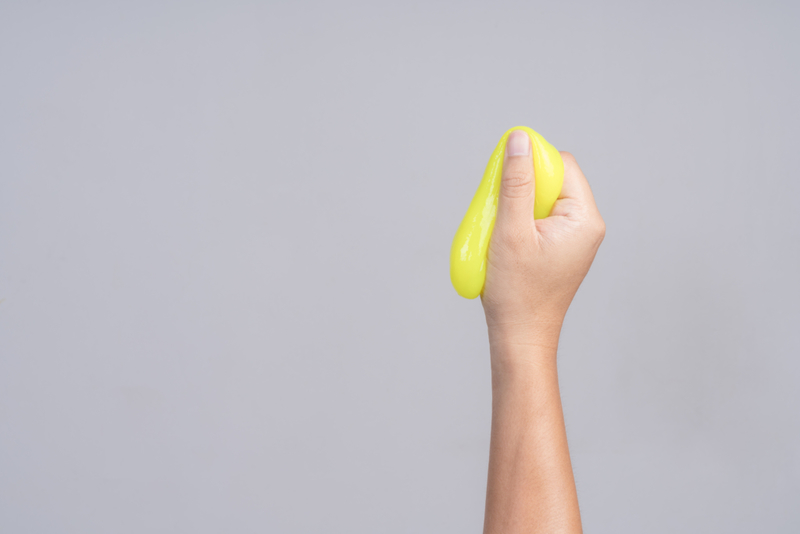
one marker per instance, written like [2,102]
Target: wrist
[542,332]
[523,348]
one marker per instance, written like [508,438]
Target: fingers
[576,196]
[515,203]
[575,187]
[576,200]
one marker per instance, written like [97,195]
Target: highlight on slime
[470,249]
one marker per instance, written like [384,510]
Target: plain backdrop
[225,302]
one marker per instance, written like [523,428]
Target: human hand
[536,266]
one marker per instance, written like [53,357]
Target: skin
[534,269]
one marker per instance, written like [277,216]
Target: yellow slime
[470,249]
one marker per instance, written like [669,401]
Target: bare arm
[534,270]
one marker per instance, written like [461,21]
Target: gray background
[224,239]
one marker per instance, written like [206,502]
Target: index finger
[576,195]
[575,186]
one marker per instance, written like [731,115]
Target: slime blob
[469,253]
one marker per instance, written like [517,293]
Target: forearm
[531,487]
[534,268]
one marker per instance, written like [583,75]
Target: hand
[536,266]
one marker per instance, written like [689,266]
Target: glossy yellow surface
[470,249]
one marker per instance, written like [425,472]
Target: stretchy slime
[468,255]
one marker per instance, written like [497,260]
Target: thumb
[515,202]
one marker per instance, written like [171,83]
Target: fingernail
[518,144]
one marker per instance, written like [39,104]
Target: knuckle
[516,184]
[599,228]
[567,156]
